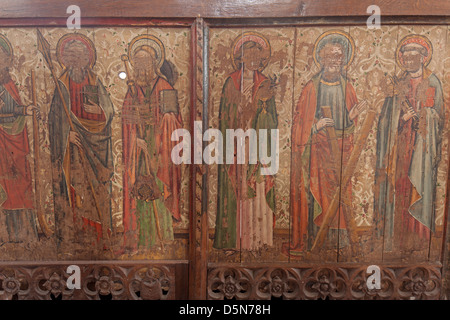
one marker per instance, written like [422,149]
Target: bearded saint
[315,176]
[409,149]
[150,115]
[81,155]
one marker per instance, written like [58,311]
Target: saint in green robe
[241,187]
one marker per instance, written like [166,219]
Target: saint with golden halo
[322,140]
[409,149]
[246,198]
[334,38]
[80,142]
[151,181]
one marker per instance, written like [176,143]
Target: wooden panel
[445,254]
[417,179]
[373,63]
[440,57]
[316,167]
[228,9]
[377,214]
[221,64]
[380,236]
[246,232]
[94,223]
[198,217]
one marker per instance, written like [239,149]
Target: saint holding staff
[80,139]
[322,131]
[409,149]
[151,181]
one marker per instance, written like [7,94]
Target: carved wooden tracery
[118,281]
[323,282]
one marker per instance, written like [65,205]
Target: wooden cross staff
[37,194]
[346,177]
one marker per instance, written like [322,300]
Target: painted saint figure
[151,181]
[81,156]
[246,198]
[328,102]
[16,192]
[409,148]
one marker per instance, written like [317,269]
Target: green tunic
[265,117]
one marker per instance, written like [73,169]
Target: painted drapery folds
[246,198]
[16,193]
[409,146]
[80,141]
[150,115]
[323,125]
[363,142]
[361,117]
[107,186]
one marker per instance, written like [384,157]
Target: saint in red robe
[16,192]
[314,180]
[143,118]
[15,175]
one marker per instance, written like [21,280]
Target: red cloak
[323,180]
[15,173]
[168,172]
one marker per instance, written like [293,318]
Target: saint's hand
[324,122]
[74,138]
[32,108]
[410,113]
[265,91]
[357,109]
[142,144]
[92,107]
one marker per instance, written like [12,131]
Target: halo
[78,37]
[250,36]
[4,42]
[147,40]
[416,39]
[335,36]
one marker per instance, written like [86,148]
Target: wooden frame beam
[220,8]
